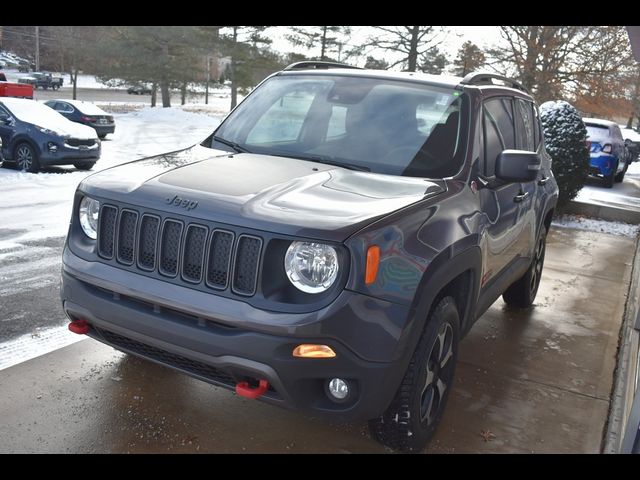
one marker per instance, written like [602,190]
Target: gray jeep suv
[327,247]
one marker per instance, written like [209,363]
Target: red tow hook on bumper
[244,390]
[81,327]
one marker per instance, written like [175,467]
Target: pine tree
[470,59]
[565,139]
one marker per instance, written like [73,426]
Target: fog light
[53,148]
[338,388]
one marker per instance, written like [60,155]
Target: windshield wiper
[236,146]
[325,160]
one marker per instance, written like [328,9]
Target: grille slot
[107,231]
[170,247]
[192,366]
[196,255]
[193,260]
[127,236]
[147,241]
[245,271]
[219,259]
[76,142]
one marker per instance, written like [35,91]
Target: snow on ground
[625,195]
[38,206]
[596,225]
[35,344]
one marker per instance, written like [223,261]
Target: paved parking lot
[527,381]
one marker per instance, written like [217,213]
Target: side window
[499,132]
[617,133]
[537,129]
[64,107]
[4,114]
[524,121]
[493,144]
[283,121]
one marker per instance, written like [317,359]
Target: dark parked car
[327,247]
[632,141]
[86,113]
[139,90]
[33,135]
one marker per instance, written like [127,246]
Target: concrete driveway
[537,380]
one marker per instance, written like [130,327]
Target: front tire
[26,158]
[620,176]
[84,165]
[523,292]
[415,412]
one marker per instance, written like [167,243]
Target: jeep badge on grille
[182,202]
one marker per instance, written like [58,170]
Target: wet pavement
[537,380]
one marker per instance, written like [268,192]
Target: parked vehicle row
[43,80]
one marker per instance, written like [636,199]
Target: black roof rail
[313,64]
[484,78]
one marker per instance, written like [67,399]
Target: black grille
[107,230]
[193,259]
[185,252]
[147,242]
[170,247]
[198,368]
[74,142]
[246,265]
[219,259]
[127,236]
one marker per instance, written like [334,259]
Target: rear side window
[616,132]
[524,121]
[537,129]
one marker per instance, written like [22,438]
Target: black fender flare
[450,264]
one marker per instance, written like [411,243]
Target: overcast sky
[483,36]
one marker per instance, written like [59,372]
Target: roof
[442,80]
[600,121]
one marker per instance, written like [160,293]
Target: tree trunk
[166,94]
[324,43]
[154,94]
[74,79]
[413,50]
[183,93]
[234,85]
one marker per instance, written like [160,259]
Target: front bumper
[232,341]
[64,155]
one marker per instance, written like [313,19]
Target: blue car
[607,150]
[33,135]
[86,113]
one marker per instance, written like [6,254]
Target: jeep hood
[264,192]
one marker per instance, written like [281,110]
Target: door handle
[543,181]
[520,197]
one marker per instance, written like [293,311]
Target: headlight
[89,211]
[311,267]
[47,131]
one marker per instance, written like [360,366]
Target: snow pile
[596,225]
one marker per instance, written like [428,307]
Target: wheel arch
[22,138]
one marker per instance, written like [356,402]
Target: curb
[605,212]
[624,388]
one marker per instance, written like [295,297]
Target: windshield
[597,133]
[385,126]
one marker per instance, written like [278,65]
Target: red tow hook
[81,327]
[244,390]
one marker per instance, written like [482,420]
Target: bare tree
[327,39]
[470,58]
[410,43]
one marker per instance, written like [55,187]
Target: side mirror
[518,166]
